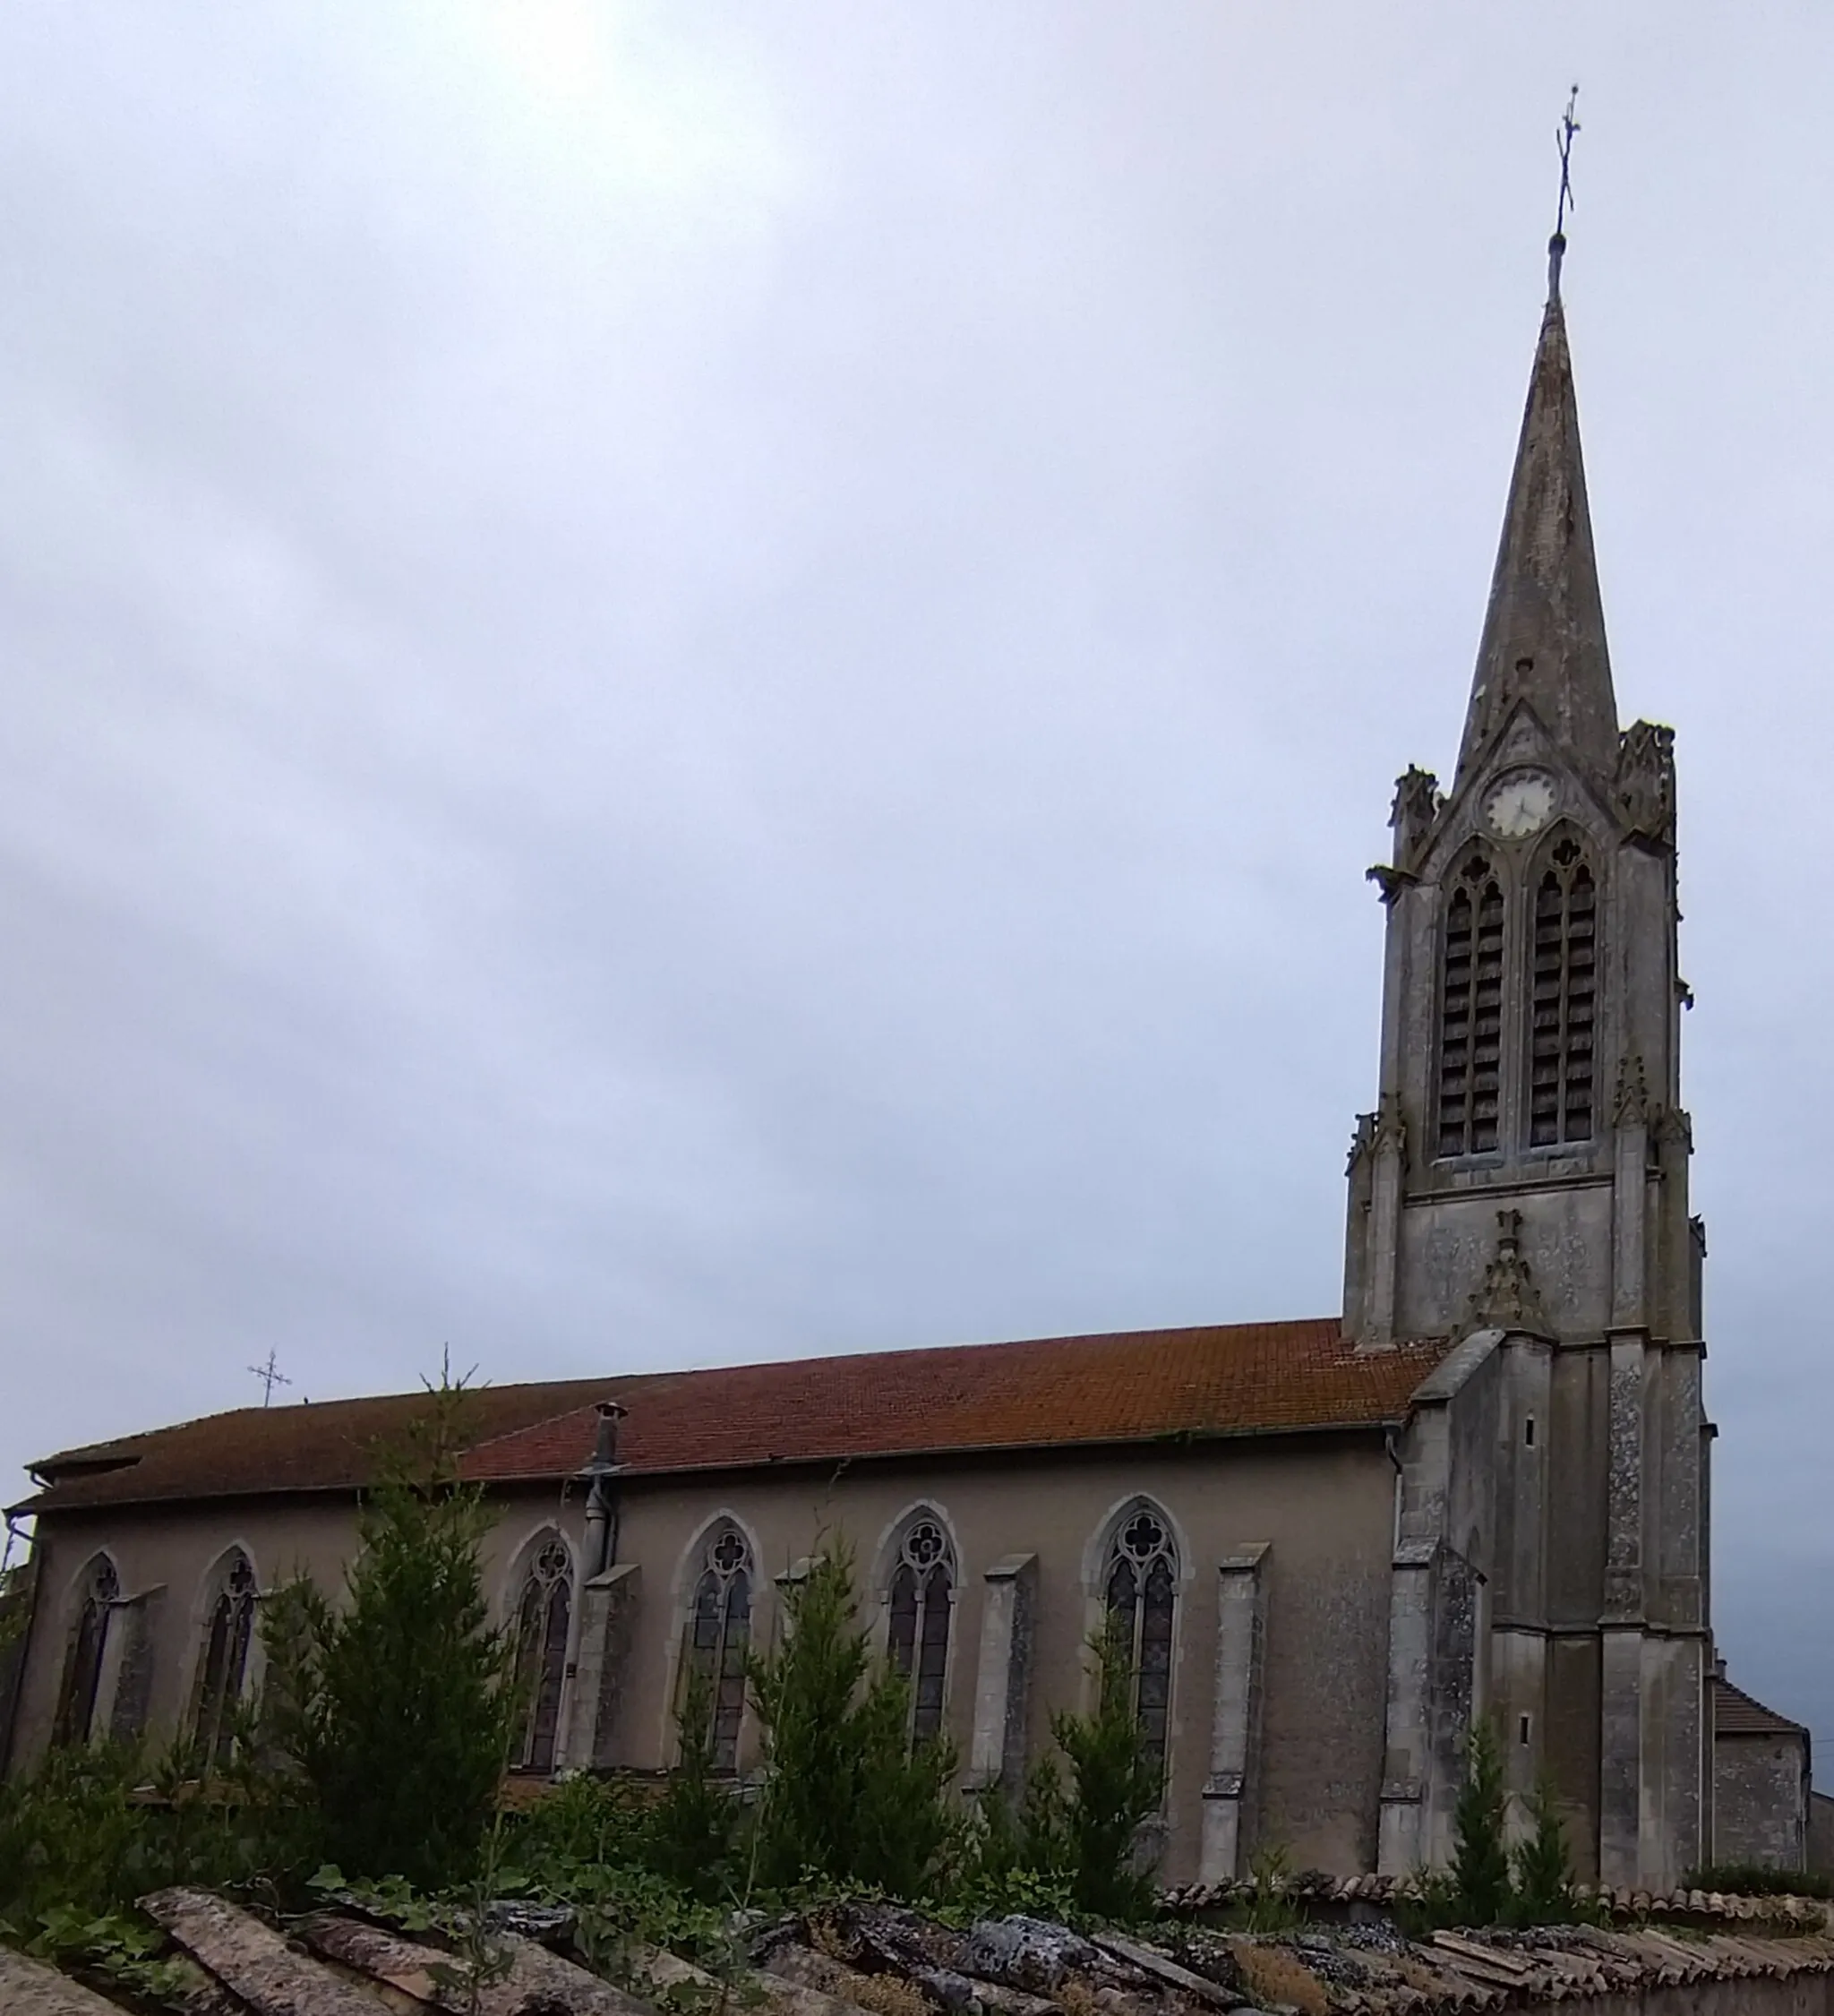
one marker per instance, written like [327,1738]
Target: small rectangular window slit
[1523,1729]
[1529,1433]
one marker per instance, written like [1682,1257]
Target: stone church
[1482,1488]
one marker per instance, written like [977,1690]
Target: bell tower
[1520,1189]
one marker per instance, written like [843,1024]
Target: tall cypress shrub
[1481,1887]
[848,1797]
[1115,1785]
[398,1708]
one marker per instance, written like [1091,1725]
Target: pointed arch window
[82,1664]
[229,1632]
[1565,994]
[719,1637]
[1141,1598]
[1470,1012]
[921,1597]
[544,1615]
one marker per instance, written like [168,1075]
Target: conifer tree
[1544,1875]
[1115,1784]
[1481,1892]
[849,1797]
[693,1826]
[397,1708]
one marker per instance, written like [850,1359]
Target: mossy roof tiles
[1251,1379]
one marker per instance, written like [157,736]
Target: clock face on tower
[1519,804]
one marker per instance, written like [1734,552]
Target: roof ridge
[1173,1385]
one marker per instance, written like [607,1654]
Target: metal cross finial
[1562,140]
[271,1376]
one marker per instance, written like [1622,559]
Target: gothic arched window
[543,1611]
[82,1664]
[1140,1595]
[921,1594]
[719,1637]
[228,1631]
[1565,981]
[1470,1012]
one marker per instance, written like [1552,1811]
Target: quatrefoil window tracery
[924,1544]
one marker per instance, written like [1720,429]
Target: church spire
[1544,632]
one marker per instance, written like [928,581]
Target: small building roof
[1145,1386]
[1737,1714]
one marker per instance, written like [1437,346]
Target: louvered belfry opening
[1470,1012]
[1565,993]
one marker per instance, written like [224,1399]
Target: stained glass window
[1141,1595]
[227,1634]
[83,1665]
[543,1617]
[719,1637]
[923,1594]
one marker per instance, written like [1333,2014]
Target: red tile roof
[1248,1378]
[1737,1714]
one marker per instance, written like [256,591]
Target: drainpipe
[14,1698]
[1391,1444]
[601,1505]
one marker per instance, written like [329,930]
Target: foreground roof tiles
[1248,1378]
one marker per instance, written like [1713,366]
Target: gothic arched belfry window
[921,1594]
[1141,1598]
[229,1632]
[1566,984]
[1470,1012]
[82,1666]
[719,1637]
[544,1614]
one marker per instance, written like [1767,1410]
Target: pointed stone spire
[1544,632]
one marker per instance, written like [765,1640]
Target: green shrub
[1480,1885]
[398,1709]
[578,1819]
[1072,1851]
[1115,1785]
[1745,1879]
[1543,1868]
[848,1798]
[71,1836]
[95,1826]
[1270,1907]
[693,1830]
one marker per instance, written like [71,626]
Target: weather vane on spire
[1556,244]
[1562,140]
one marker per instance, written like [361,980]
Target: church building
[1481,1488]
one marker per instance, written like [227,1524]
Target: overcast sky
[685,684]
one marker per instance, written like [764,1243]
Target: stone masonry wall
[1759,1801]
